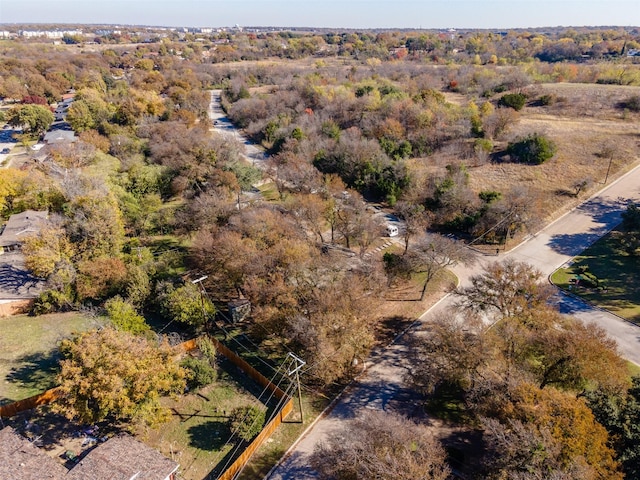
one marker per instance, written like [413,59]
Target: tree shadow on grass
[36,371]
[210,436]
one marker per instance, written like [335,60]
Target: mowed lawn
[28,351]
[198,436]
[621,275]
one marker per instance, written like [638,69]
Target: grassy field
[584,122]
[618,274]
[28,358]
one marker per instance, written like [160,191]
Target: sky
[361,14]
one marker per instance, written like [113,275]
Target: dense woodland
[151,198]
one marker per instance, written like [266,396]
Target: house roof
[60,136]
[21,460]
[21,225]
[123,458]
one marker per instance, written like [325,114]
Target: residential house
[19,226]
[21,460]
[124,458]
[120,458]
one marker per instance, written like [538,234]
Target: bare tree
[433,253]
[511,288]
[450,351]
[415,220]
[381,445]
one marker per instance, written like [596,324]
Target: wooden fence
[43,398]
[286,408]
[270,427]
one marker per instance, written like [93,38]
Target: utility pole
[299,363]
[198,281]
[608,169]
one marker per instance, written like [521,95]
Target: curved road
[382,386]
[223,126]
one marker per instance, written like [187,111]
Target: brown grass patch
[584,120]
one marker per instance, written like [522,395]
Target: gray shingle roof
[21,460]
[22,225]
[123,458]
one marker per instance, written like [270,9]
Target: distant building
[48,33]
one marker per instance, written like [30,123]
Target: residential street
[550,248]
[382,385]
[223,126]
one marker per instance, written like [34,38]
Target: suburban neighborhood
[333,253]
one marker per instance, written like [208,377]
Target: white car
[392,231]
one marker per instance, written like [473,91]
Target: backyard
[605,276]
[28,351]
[198,436]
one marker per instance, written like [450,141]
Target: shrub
[199,372]
[631,103]
[513,100]
[246,422]
[535,149]
[483,144]
[124,316]
[50,301]
[489,196]
[546,100]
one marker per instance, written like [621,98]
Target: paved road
[550,248]
[223,126]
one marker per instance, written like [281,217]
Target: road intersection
[382,386]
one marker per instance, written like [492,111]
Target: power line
[233,433]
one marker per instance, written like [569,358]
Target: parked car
[392,231]
[5,150]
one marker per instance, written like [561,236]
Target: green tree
[124,316]
[199,372]
[107,374]
[246,422]
[34,119]
[629,234]
[534,149]
[513,100]
[188,305]
[620,415]
[89,110]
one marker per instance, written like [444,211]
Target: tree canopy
[114,375]
[381,445]
[34,119]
